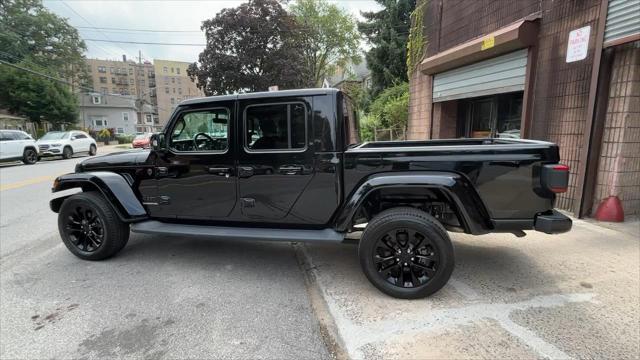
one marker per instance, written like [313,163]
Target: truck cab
[290,166]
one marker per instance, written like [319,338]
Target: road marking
[23,183]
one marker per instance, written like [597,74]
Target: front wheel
[406,253]
[29,156]
[67,152]
[90,228]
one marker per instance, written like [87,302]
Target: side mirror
[73,138]
[157,142]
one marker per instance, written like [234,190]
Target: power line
[144,43]
[139,30]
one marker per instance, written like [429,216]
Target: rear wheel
[90,228]
[406,253]
[67,152]
[93,150]
[30,156]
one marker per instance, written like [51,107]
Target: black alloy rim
[406,258]
[85,229]
[31,156]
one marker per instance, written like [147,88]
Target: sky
[180,18]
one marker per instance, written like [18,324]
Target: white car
[18,145]
[66,144]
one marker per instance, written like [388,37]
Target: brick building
[564,71]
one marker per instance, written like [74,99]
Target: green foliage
[35,97]
[387,31]
[416,43]
[328,39]
[249,48]
[391,108]
[367,127]
[32,34]
[125,139]
[104,134]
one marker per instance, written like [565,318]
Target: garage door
[497,75]
[623,19]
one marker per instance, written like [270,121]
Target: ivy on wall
[417,42]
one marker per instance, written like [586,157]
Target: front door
[275,157]
[196,174]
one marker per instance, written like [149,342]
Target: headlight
[56,145]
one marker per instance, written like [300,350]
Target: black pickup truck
[289,166]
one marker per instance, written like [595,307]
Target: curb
[328,328]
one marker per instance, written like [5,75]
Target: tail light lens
[555,177]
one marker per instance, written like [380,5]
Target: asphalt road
[161,297]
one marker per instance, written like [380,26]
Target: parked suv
[289,166]
[66,144]
[18,145]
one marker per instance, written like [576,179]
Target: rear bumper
[552,223]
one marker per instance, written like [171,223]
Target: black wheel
[92,150]
[67,152]
[90,228]
[29,156]
[406,253]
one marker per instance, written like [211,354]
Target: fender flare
[459,190]
[112,186]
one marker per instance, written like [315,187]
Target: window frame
[271,151]
[182,113]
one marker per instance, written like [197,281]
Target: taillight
[555,177]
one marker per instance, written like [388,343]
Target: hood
[114,160]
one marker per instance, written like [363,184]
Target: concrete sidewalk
[573,295]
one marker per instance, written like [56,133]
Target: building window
[141,82]
[172,70]
[165,70]
[130,81]
[113,80]
[174,90]
[96,99]
[173,101]
[102,69]
[166,80]
[111,70]
[103,79]
[101,122]
[177,70]
[148,119]
[125,116]
[166,90]
[173,80]
[130,71]
[179,81]
[180,91]
[120,130]
[492,116]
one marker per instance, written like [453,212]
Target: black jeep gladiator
[289,166]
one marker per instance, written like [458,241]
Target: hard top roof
[262,94]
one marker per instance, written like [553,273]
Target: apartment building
[563,71]
[172,86]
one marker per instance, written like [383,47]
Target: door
[196,175]
[275,157]
[9,145]
[81,142]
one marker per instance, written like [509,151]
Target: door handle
[290,169]
[245,171]
[220,171]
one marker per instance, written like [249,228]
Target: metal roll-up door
[623,19]
[498,75]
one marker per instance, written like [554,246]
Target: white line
[465,290]
[540,346]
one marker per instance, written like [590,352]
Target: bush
[391,108]
[104,135]
[125,139]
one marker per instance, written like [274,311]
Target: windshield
[57,135]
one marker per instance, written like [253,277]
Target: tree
[249,48]
[387,31]
[31,33]
[36,97]
[390,110]
[328,38]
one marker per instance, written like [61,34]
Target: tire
[67,152]
[108,236]
[29,156]
[425,262]
[93,150]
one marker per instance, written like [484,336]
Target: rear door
[9,145]
[275,161]
[81,142]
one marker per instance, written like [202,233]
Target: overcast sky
[185,16]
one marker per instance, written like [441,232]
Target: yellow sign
[488,43]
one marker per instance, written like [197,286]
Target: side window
[5,136]
[23,136]
[350,119]
[276,127]
[203,130]
[80,136]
